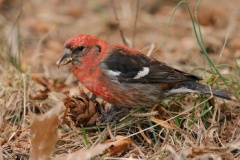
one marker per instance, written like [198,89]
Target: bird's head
[79,46]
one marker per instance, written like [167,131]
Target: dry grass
[185,126]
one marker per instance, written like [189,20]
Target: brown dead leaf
[84,154]
[49,84]
[74,12]
[44,133]
[200,150]
[122,144]
[40,95]
[41,80]
[211,16]
[219,151]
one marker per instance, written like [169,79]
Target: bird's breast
[93,79]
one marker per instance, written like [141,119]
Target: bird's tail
[194,87]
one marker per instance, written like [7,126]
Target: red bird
[125,77]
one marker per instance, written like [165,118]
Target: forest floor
[46,113]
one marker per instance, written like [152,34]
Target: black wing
[128,68]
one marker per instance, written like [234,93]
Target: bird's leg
[113,114]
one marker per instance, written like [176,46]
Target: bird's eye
[80,48]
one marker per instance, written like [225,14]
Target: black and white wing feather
[128,68]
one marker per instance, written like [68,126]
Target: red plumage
[125,77]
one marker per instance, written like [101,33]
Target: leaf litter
[29,100]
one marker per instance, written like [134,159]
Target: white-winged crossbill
[125,77]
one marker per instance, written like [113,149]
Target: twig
[135,24]
[149,141]
[225,41]
[153,113]
[151,50]
[110,132]
[118,23]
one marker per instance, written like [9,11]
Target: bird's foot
[113,114]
